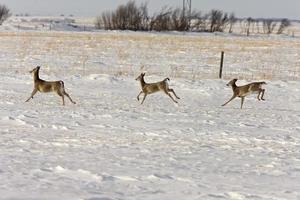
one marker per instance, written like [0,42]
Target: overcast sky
[242,8]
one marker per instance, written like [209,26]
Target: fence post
[221,64]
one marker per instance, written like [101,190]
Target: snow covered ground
[109,147]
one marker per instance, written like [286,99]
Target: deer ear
[143,74]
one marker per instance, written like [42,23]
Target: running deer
[47,86]
[243,91]
[149,88]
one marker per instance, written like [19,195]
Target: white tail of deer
[243,91]
[149,88]
[47,86]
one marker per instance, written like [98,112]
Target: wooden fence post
[221,64]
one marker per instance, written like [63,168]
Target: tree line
[135,17]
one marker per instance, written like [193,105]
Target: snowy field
[109,147]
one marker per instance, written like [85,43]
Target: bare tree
[133,17]
[249,21]
[144,16]
[161,21]
[215,18]
[283,25]
[198,22]
[4,13]
[125,17]
[98,23]
[269,26]
[232,20]
[257,23]
[218,20]
[175,19]
[180,22]
[206,22]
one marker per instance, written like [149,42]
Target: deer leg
[242,102]
[62,96]
[144,98]
[138,97]
[170,96]
[64,93]
[229,100]
[171,90]
[258,95]
[32,94]
[263,93]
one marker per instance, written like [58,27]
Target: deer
[149,88]
[47,86]
[244,90]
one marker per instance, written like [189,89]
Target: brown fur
[149,88]
[243,91]
[47,86]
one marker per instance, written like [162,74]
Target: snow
[49,23]
[109,147]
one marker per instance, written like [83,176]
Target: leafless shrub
[179,21]
[144,17]
[4,13]
[257,23]
[198,22]
[98,23]
[232,20]
[249,22]
[104,21]
[218,21]
[169,19]
[249,25]
[132,17]
[283,25]
[125,17]
[161,21]
[269,26]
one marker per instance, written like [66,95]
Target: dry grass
[186,56]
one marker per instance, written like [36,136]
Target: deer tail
[62,84]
